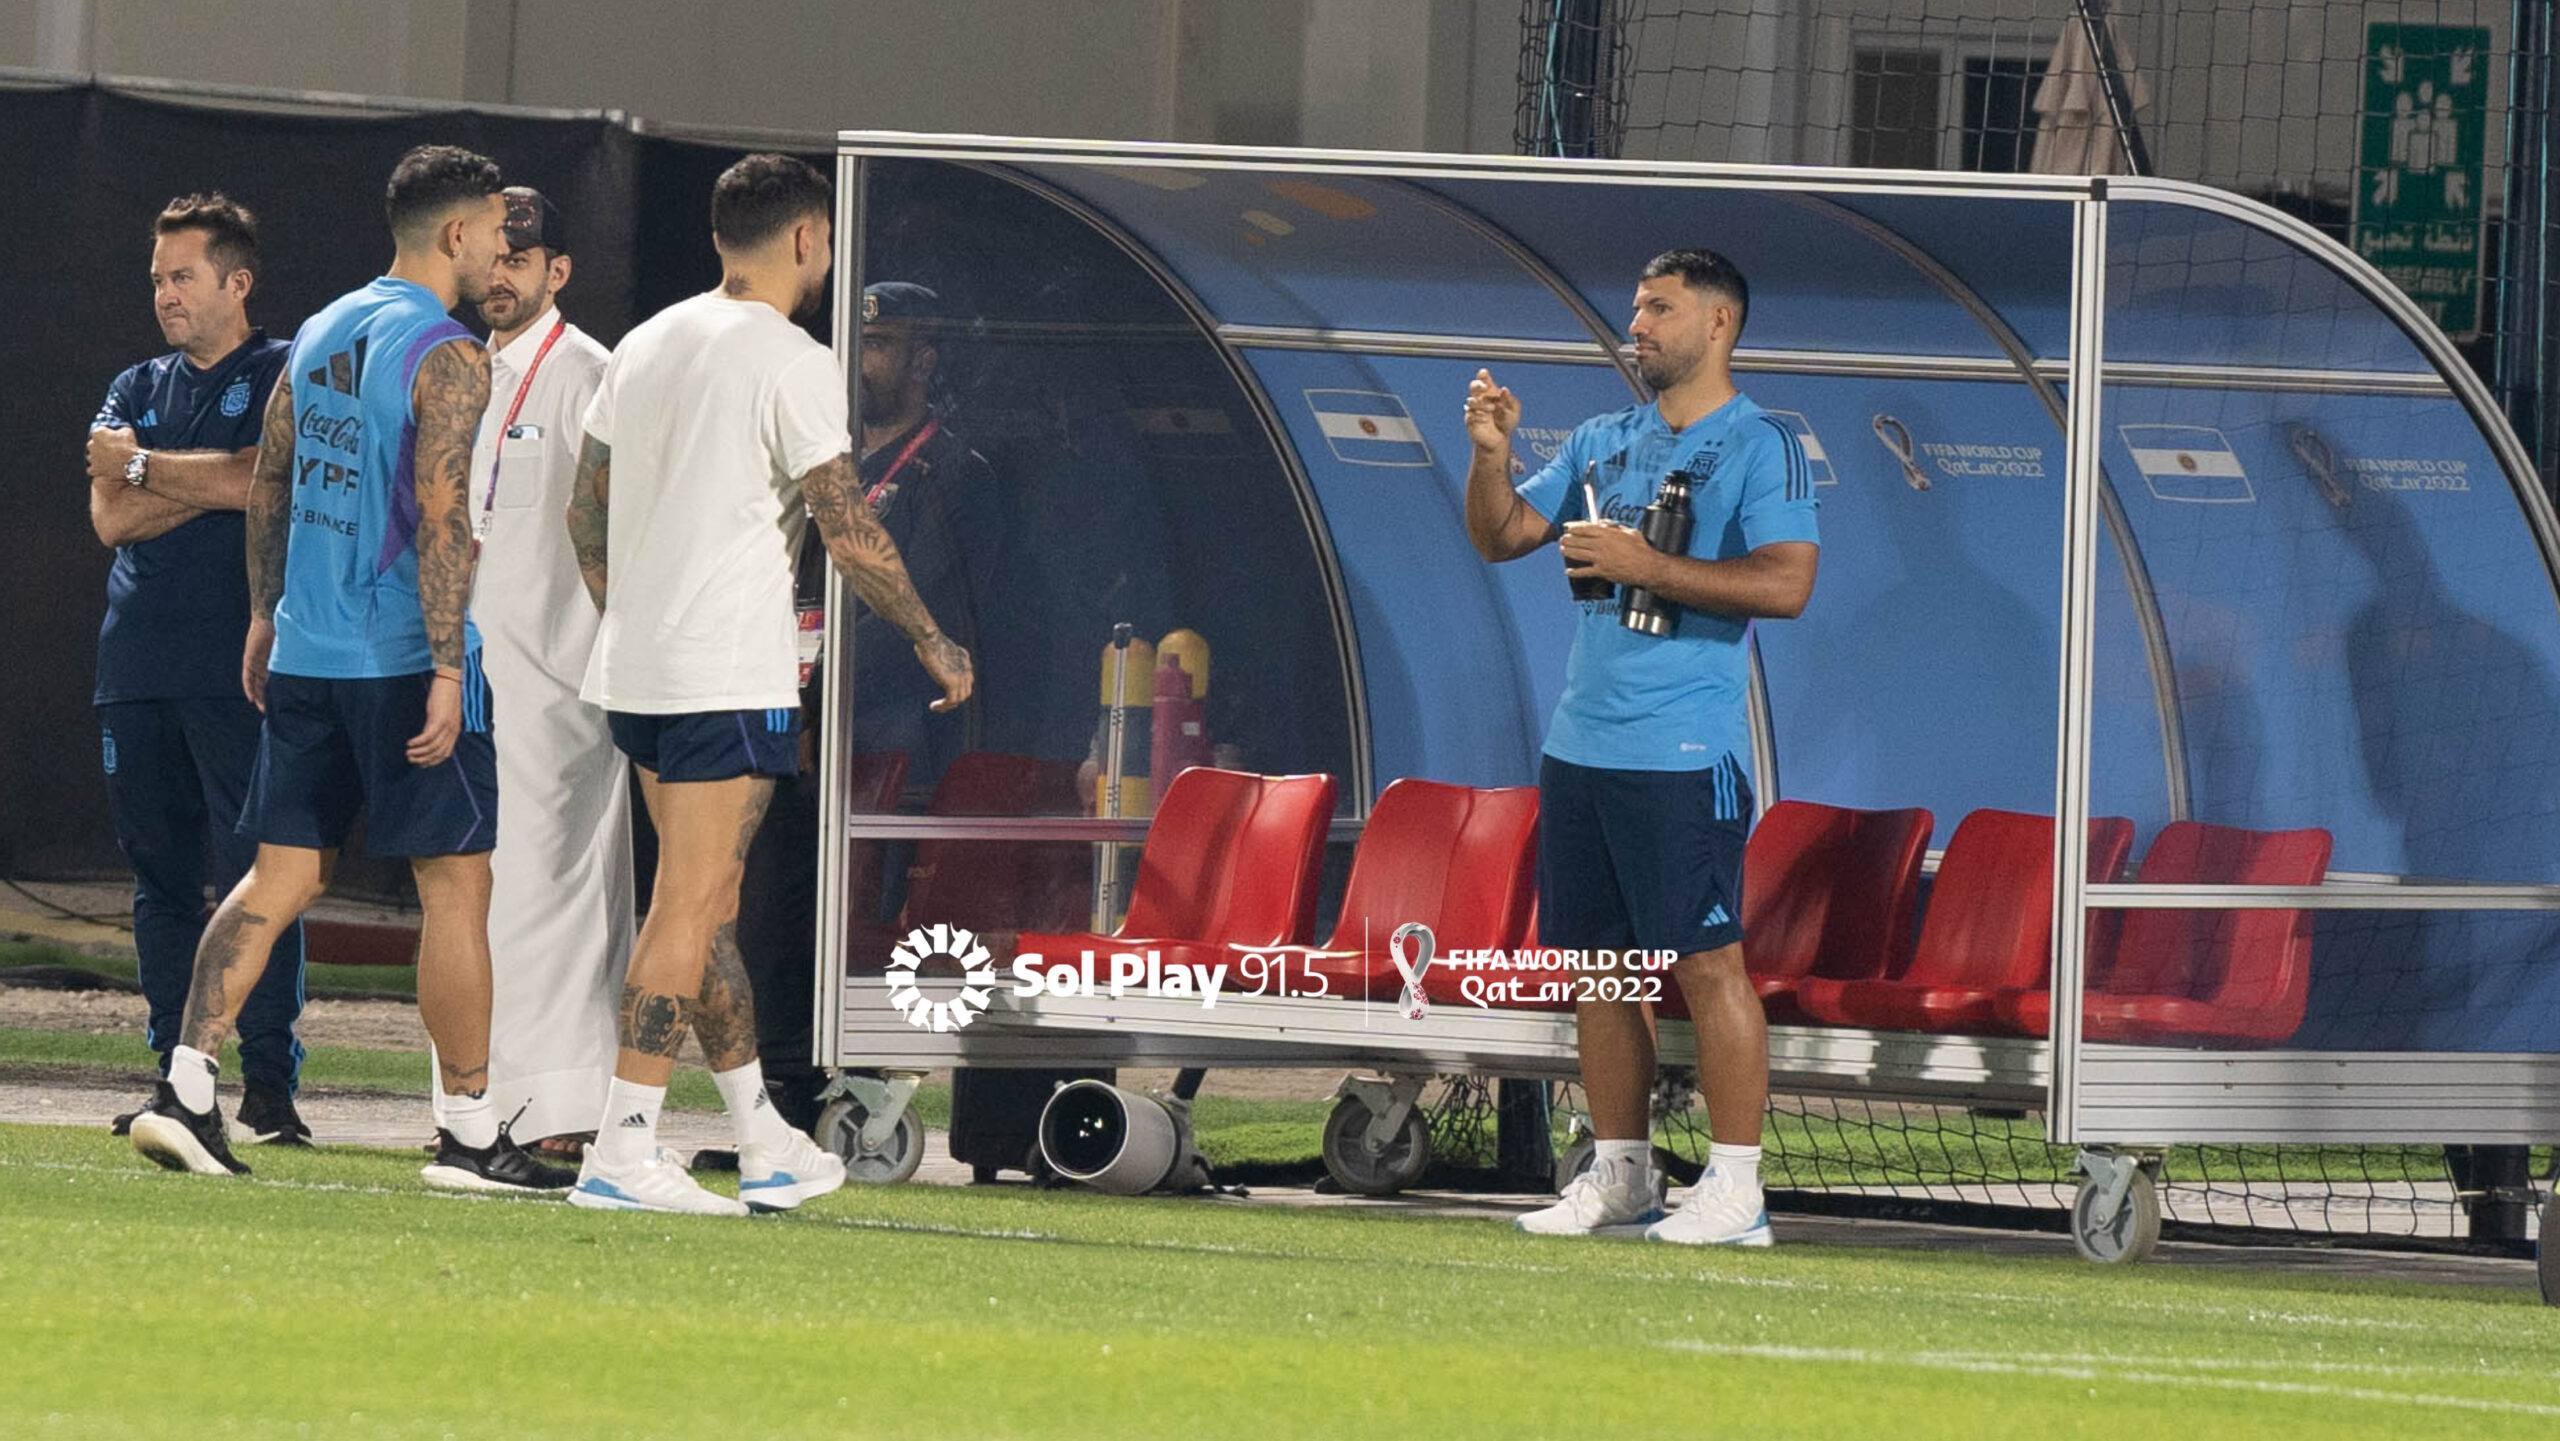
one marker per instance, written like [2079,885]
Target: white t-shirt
[714,408]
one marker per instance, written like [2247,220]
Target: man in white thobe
[560,910]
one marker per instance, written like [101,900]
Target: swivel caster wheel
[2110,1227]
[893,1159]
[1367,1165]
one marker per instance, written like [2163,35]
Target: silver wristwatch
[136,468]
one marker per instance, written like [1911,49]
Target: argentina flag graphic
[2190,463]
[1368,427]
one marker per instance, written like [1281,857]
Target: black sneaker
[267,1118]
[183,1140]
[123,1125]
[502,1165]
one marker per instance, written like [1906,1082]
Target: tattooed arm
[870,563]
[588,496]
[270,524]
[448,398]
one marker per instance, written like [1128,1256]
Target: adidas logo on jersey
[341,372]
[1716,916]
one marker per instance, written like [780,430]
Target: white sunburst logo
[977,980]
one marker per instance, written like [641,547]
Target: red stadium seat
[1008,885]
[1458,859]
[1518,990]
[2201,976]
[992,783]
[1989,929]
[1827,892]
[873,781]
[1231,857]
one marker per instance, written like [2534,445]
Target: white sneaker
[1614,1195]
[656,1184]
[1719,1211]
[777,1178]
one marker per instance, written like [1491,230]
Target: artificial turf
[320,981]
[330,1295]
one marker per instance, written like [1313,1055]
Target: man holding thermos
[1697,514]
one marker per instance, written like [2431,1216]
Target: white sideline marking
[2099,1369]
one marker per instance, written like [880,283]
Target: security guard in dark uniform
[169,460]
[937,499]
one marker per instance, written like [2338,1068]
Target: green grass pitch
[331,1295]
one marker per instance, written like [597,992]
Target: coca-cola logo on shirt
[344,433]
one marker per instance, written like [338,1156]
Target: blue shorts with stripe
[715,745]
[1647,860]
[329,748]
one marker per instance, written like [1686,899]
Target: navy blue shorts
[717,745]
[1642,860]
[331,747]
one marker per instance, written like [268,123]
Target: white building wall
[1401,74]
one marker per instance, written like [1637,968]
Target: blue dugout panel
[2323,573]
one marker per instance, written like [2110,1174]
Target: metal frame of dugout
[2121,1103]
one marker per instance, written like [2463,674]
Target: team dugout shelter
[2171,746]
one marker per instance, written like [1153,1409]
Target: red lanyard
[915,443]
[514,408]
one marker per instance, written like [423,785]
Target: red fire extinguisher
[1181,719]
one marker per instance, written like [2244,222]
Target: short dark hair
[432,179]
[230,231]
[1703,269]
[763,195]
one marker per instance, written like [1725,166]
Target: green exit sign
[2418,168]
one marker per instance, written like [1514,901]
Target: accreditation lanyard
[880,488]
[497,458]
[813,613]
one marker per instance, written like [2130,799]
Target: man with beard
[560,898]
[1642,798]
[936,498]
[169,461]
[717,420]
[362,655]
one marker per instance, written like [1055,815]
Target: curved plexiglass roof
[2325,592]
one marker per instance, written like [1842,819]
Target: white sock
[1638,1154]
[750,1109]
[470,1120]
[628,1134]
[1742,1163]
[191,1075]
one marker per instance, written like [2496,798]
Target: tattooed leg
[652,1024]
[724,1015]
[685,967]
[281,884]
[453,967]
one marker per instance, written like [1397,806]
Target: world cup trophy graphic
[1412,1003]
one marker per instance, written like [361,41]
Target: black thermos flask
[1665,527]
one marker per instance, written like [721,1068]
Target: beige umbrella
[2074,133]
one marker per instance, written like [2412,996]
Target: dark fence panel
[85,169]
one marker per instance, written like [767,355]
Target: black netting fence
[2418,132]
